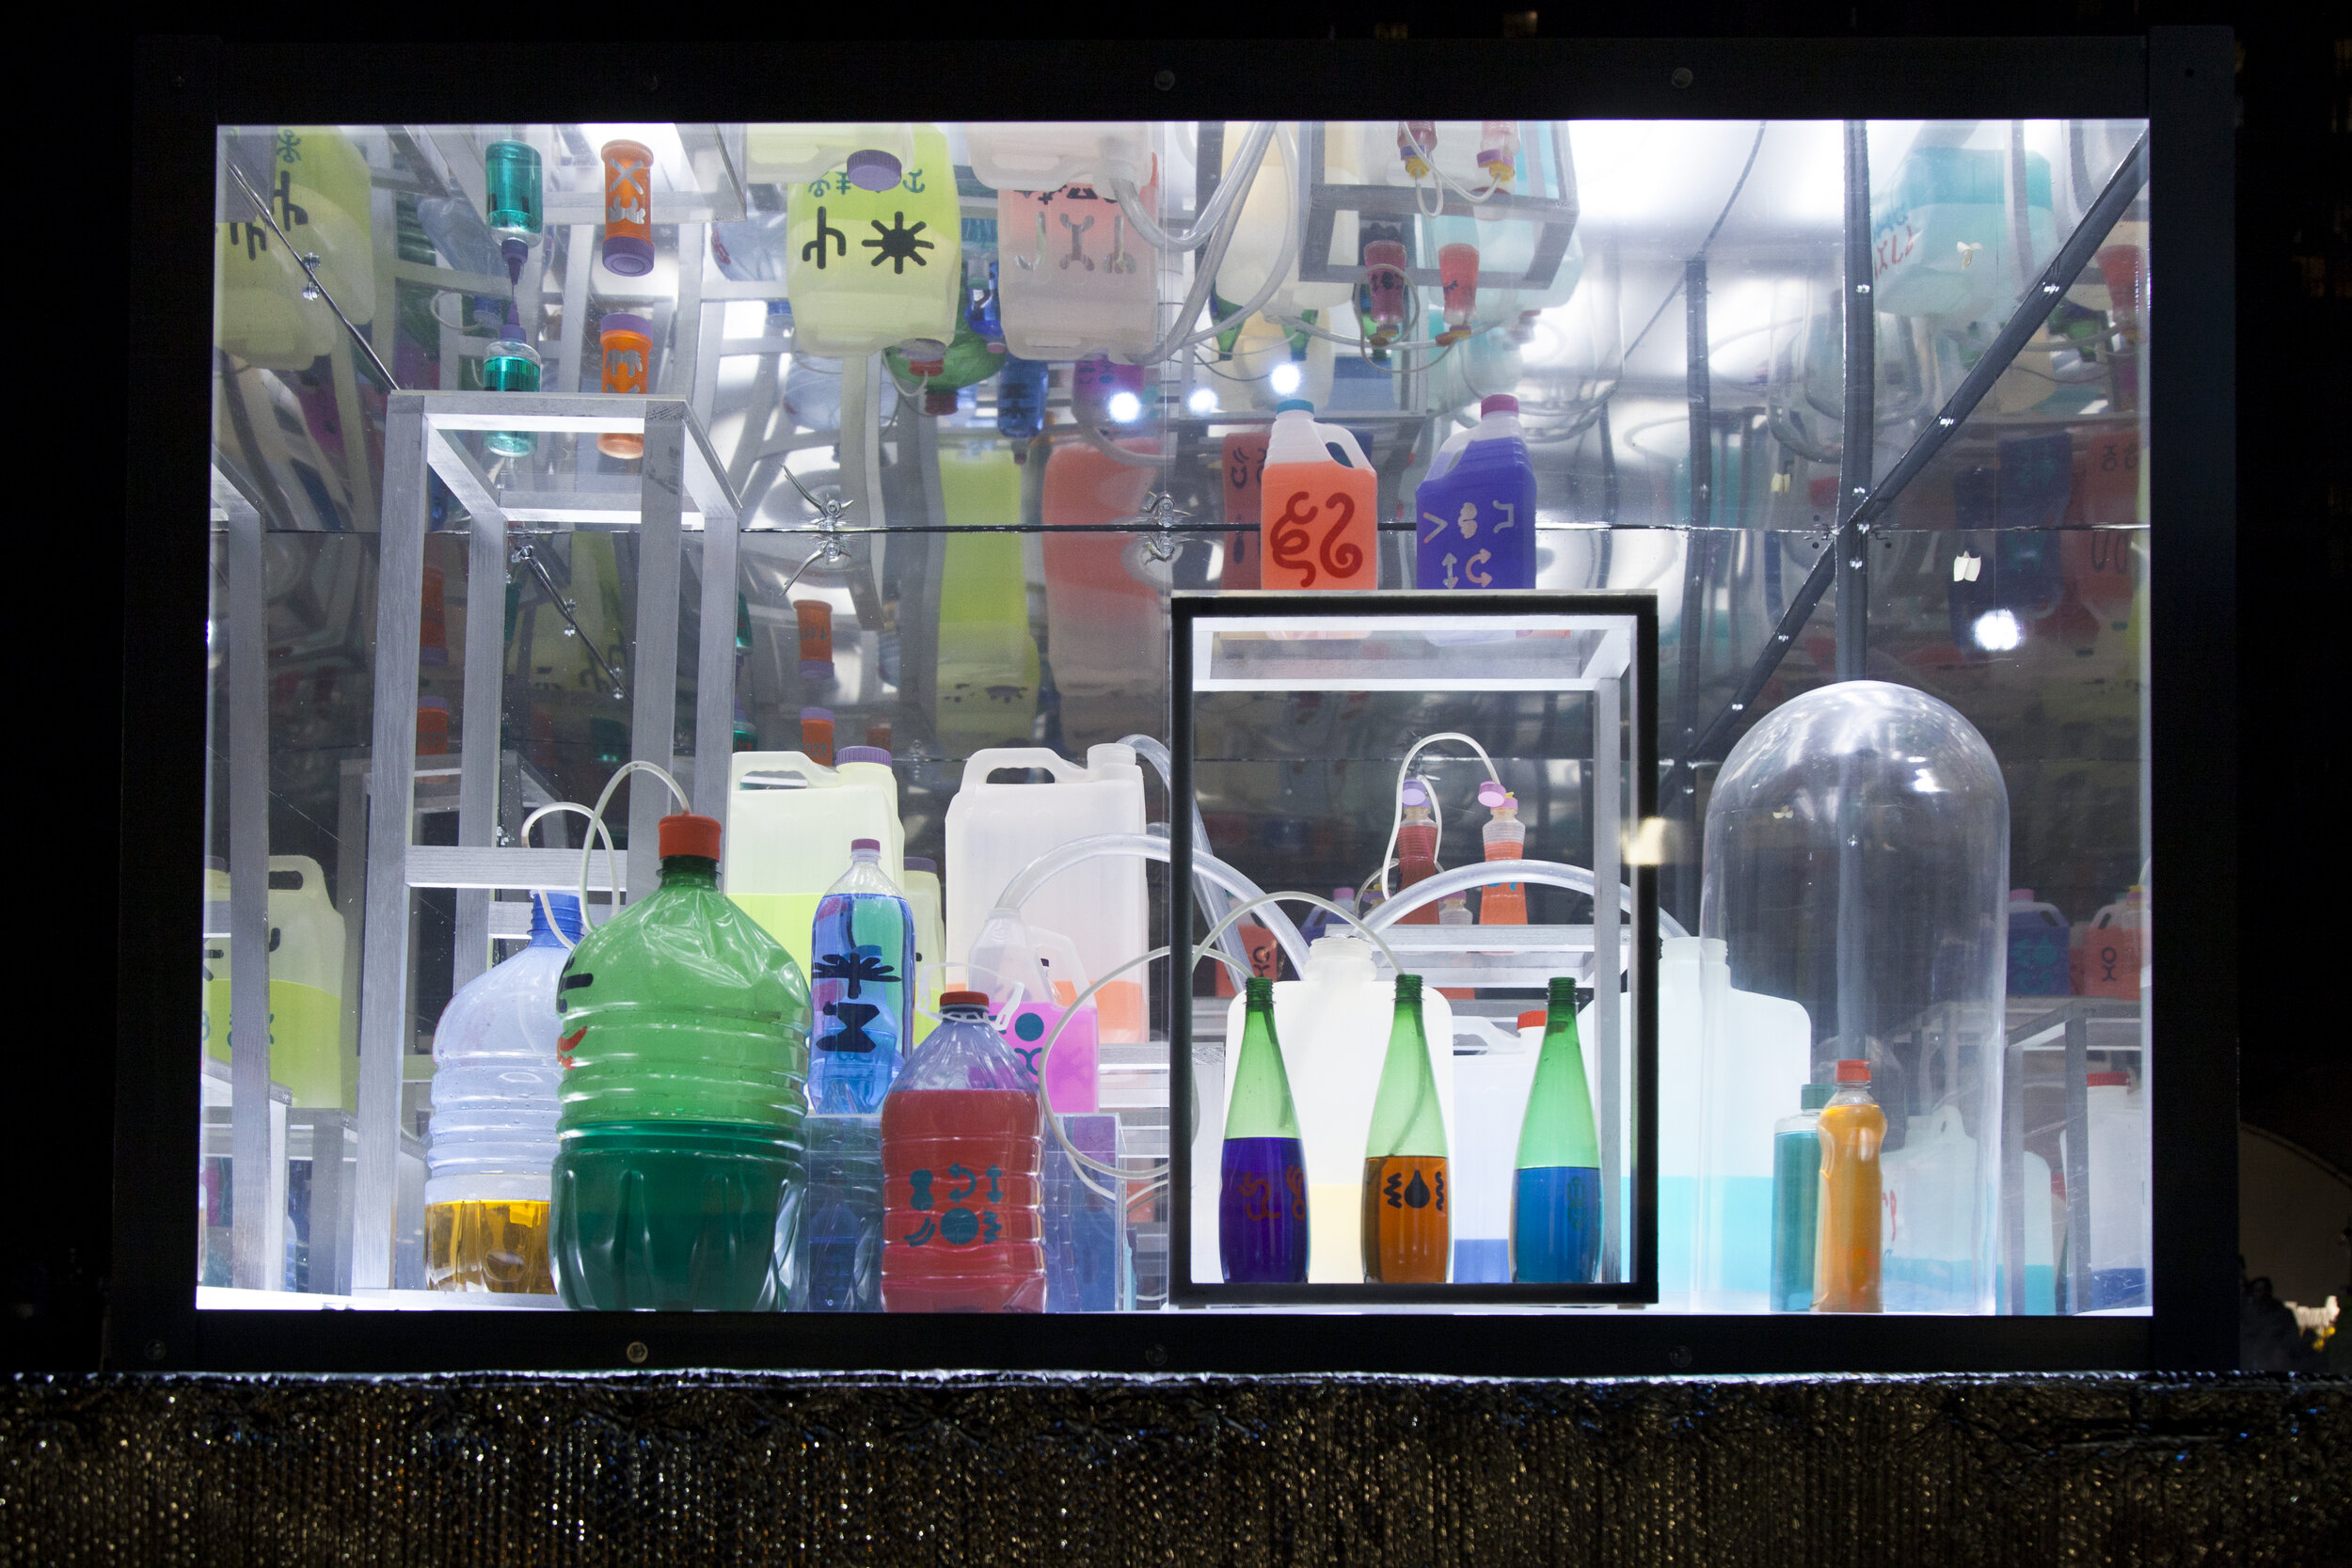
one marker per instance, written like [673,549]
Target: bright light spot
[1203,402]
[1647,845]
[1997,631]
[1125,407]
[1286,377]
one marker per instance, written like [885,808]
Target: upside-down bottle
[1505,836]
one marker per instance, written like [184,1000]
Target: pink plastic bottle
[1417,850]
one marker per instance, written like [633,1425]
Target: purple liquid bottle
[1475,515]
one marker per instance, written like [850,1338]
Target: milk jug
[1475,513]
[318,190]
[868,268]
[2113,949]
[994,829]
[1320,506]
[790,820]
[1108,628]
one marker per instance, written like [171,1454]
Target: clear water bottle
[841,1234]
[494,1075]
[863,946]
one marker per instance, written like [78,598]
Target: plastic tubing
[596,830]
[1109,448]
[1551,873]
[1279,273]
[1055,861]
[1252,148]
[596,819]
[1211,897]
[1396,815]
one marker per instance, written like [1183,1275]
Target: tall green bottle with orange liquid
[1408,1213]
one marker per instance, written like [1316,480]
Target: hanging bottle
[1261,1191]
[1505,836]
[1556,1193]
[627,208]
[510,169]
[1416,140]
[863,943]
[1021,404]
[1457,276]
[1417,850]
[964,1229]
[1407,1234]
[1847,1260]
[626,343]
[511,365]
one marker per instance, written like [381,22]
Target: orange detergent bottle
[1846,1255]
[1318,507]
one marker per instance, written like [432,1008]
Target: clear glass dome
[1857,863]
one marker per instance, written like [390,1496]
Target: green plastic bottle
[1408,1218]
[1556,1192]
[684,1041]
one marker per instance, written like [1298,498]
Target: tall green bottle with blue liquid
[684,1043]
[1556,1200]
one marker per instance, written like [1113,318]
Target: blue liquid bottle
[1475,515]
[863,943]
[1021,402]
[1556,1196]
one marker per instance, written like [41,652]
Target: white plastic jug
[1333,1025]
[305,985]
[921,885]
[995,829]
[1073,277]
[1046,966]
[1490,1097]
[2116,1161]
[1728,1061]
[789,823]
[1012,155]
[1928,1187]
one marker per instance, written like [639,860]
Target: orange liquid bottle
[1502,903]
[1318,506]
[1417,850]
[1846,1256]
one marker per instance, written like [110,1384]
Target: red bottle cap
[689,834]
[1498,402]
[1535,1020]
[1853,1072]
[964,999]
[2107,1080]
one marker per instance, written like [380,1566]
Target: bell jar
[1856,863]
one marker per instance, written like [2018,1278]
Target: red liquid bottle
[1417,850]
[962,1228]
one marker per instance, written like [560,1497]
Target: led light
[1286,377]
[1125,407]
[1997,631]
[1203,402]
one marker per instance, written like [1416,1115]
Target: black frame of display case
[1640,998]
[2179,79]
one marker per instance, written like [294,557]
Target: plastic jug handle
[1331,433]
[1061,954]
[982,764]
[814,774]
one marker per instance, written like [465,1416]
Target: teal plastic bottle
[684,1043]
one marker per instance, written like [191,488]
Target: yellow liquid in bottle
[495,1244]
[1846,1257]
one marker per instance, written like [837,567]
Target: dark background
[80,371]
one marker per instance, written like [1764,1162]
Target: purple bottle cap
[1415,794]
[809,713]
[1500,402]
[860,754]
[514,251]
[917,863]
[620,321]
[1491,795]
[858,843]
[872,169]
[628,256]
[816,669]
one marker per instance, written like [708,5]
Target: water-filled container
[791,822]
[862,987]
[1857,865]
[2116,1161]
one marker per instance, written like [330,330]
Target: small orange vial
[627,343]
[1846,1256]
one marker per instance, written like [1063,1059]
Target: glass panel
[962,406]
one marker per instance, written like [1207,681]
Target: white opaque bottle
[496,1063]
[2118,1165]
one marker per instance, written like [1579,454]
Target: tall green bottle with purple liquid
[1262,1186]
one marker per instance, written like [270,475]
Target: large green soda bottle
[684,1041]
[1556,1194]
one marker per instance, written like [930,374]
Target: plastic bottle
[963,1230]
[317,188]
[1453,909]
[1021,402]
[492,1141]
[1076,278]
[816,735]
[626,344]
[861,986]
[1262,1220]
[1927,1186]
[2114,948]
[1319,512]
[871,262]
[1797,1199]
[986,694]
[627,208]
[1475,512]
[511,365]
[839,1268]
[1386,284]
[2037,946]
[964,360]
[306,966]
[1406,1233]
[1045,965]
[1848,1247]
[1085,1267]
[511,172]
[1506,837]
[1556,1191]
[791,822]
[2117,1159]
[678,1167]
[1244,471]
[1417,848]
[1490,1090]
[812,621]
[1107,627]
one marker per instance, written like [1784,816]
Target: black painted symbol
[815,249]
[898,244]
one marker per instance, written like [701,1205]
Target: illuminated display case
[1113,520]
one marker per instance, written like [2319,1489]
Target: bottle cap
[1814,1096]
[689,834]
[918,863]
[566,908]
[964,999]
[873,844]
[620,321]
[1294,405]
[432,705]
[1491,795]
[1498,402]
[2107,1080]
[860,754]
[1853,1072]
[1258,990]
[937,402]
[823,713]
[870,169]
[1533,1020]
[1416,793]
